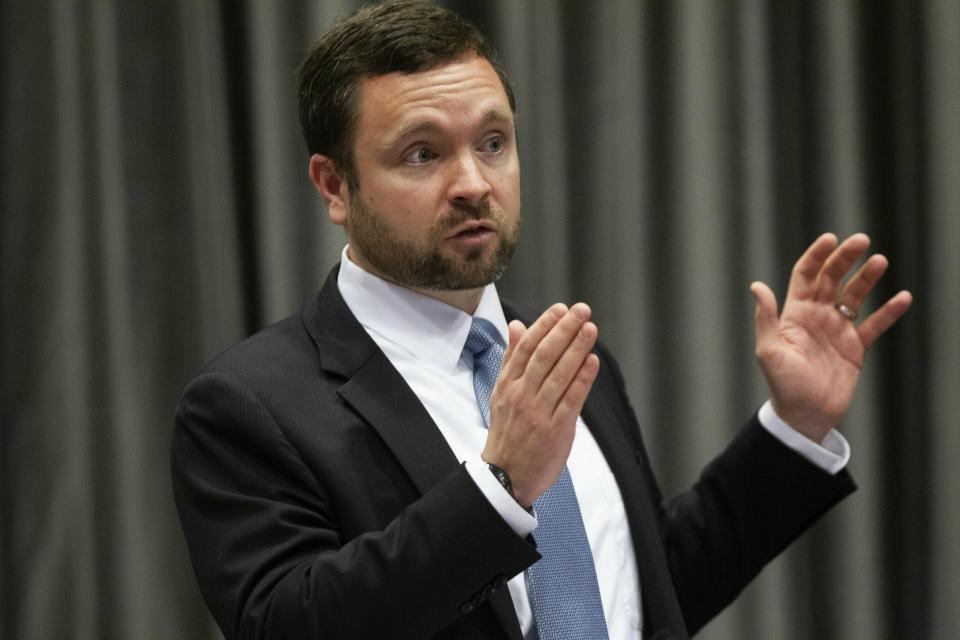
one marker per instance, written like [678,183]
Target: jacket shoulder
[280,343]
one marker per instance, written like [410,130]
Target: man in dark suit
[334,474]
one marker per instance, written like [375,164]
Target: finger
[765,315]
[804,275]
[553,346]
[883,318]
[529,341]
[562,375]
[837,265]
[863,281]
[515,331]
[571,403]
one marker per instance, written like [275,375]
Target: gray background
[156,208]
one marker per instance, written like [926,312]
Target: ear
[331,186]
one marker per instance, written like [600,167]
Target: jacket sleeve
[748,505]
[271,559]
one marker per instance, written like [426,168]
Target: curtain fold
[942,262]
[156,208]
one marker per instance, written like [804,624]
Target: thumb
[765,315]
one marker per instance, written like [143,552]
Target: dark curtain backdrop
[156,208]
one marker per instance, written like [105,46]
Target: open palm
[812,354]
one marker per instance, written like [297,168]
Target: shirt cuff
[831,455]
[509,509]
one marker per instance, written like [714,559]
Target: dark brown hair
[407,37]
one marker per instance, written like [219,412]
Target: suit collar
[342,343]
[374,388]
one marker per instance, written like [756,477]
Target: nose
[468,185]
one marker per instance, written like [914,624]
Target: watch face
[504,481]
[501,477]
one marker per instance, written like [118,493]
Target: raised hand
[547,372]
[812,354]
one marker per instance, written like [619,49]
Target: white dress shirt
[423,338]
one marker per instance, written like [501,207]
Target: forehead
[448,94]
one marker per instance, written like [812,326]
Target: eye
[420,155]
[493,144]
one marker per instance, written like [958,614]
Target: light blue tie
[562,585]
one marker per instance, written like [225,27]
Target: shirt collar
[427,328]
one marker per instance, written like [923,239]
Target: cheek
[418,195]
[408,214]
[511,192]
[420,207]
[510,181]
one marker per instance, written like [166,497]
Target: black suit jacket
[319,500]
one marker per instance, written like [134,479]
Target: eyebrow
[428,126]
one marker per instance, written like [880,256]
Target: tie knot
[482,335]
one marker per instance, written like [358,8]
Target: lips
[474,228]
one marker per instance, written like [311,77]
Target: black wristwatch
[504,479]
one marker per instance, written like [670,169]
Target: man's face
[438,205]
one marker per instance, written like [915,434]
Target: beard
[424,266]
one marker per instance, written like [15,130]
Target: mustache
[459,215]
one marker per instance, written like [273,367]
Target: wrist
[504,479]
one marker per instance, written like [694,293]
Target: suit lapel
[377,391]
[380,394]
[661,611]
